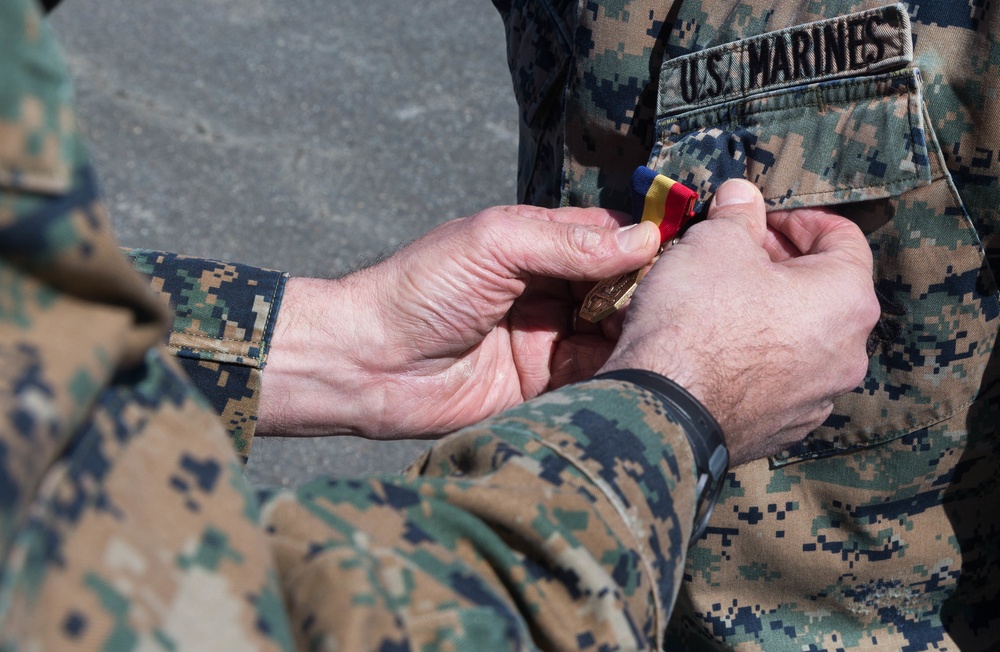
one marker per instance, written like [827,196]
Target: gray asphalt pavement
[304,135]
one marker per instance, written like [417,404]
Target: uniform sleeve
[125,519]
[560,524]
[224,315]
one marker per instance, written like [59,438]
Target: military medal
[655,198]
[608,296]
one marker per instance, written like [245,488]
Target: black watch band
[711,458]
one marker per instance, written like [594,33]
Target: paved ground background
[304,135]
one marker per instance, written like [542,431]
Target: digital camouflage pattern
[223,316]
[124,515]
[126,522]
[561,524]
[879,530]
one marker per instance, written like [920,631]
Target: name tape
[860,43]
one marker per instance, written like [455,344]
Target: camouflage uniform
[125,520]
[878,531]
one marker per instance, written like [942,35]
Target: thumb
[738,199]
[576,252]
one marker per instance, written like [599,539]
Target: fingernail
[734,192]
[634,237]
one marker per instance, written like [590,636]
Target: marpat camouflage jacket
[879,531]
[126,522]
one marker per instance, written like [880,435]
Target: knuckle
[486,220]
[857,370]
[872,311]
[584,240]
[489,226]
[825,410]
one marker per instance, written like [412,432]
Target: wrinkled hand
[763,319]
[466,321]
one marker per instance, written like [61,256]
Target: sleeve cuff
[224,316]
[612,440]
[704,434]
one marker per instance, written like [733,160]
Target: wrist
[664,357]
[315,381]
[691,369]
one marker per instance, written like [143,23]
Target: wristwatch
[711,458]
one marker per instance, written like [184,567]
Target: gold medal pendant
[608,296]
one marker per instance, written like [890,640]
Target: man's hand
[764,320]
[461,324]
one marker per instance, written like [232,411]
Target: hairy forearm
[315,382]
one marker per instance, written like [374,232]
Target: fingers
[820,241]
[564,249]
[767,322]
[788,234]
[741,201]
[571,215]
[821,231]
[779,247]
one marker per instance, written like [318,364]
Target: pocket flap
[832,142]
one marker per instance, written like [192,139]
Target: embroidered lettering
[713,72]
[800,55]
[872,32]
[760,63]
[869,41]
[835,48]
[689,81]
[779,64]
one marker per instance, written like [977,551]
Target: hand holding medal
[655,198]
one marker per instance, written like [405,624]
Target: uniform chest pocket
[863,147]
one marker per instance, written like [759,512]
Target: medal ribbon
[655,198]
[659,199]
